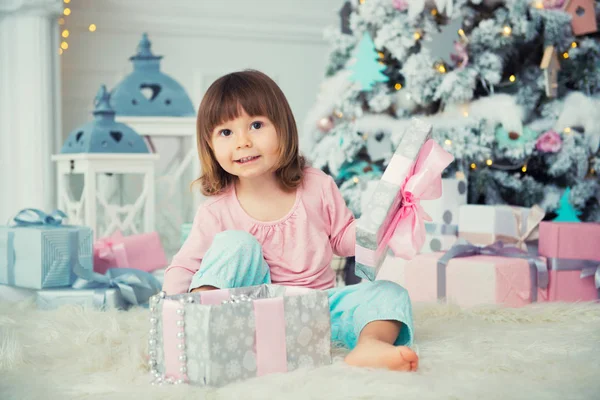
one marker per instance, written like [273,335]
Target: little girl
[272,219]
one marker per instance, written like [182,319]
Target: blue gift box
[50,299]
[41,253]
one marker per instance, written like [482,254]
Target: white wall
[200,40]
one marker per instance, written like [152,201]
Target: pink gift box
[471,281]
[571,248]
[143,251]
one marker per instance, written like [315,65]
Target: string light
[60,51]
[567,130]
[573,45]
[460,175]
[539,5]
[448,142]
[524,169]
[339,114]
[507,30]
[417,35]
[434,12]
[61,21]
[512,78]
[64,45]
[398,86]
[92,28]
[465,114]
[362,1]
[489,162]
[67,1]
[441,68]
[565,55]
[473,166]
[380,54]
[355,179]
[67,11]
[65,33]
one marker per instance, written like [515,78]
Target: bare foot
[370,352]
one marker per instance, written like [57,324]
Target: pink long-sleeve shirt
[298,247]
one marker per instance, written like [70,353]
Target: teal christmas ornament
[566,212]
[148,92]
[367,70]
[103,134]
[506,139]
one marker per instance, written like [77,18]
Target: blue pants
[235,259]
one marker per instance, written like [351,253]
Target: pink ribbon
[405,235]
[110,251]
[271,351]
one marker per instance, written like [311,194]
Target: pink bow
[406,233]
[110,251]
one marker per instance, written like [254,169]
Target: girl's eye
[256,125]
[225,132]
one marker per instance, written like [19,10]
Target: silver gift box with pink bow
[394,218]
[216,337]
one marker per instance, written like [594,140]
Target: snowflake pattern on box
[221,339]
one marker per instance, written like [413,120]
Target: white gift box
[485,224]
[445,210]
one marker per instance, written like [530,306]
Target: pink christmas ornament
[461,57]
[549,142]
[553,4]
[325,124]
[400,5]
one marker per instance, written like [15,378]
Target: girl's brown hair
[258,95]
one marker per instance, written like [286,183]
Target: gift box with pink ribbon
[573,254]
[216,337]
[142,251]
[394,218]
[469,275]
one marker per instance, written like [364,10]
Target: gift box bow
[135,286]
[406,233]
[33,216]
[531,229]
[111,250]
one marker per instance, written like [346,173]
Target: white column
[29,104]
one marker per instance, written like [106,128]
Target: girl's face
[246,147]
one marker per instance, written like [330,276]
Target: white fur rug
[544,351]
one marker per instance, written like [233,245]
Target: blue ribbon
[33,216]
[588,268]
[538,268]
[136,286]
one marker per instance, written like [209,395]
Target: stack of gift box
[497,254]
[44,259]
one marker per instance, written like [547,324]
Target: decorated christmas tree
[511,88]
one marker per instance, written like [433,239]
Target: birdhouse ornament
[149,92]
[105,149]
[583,16]
[550,65]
